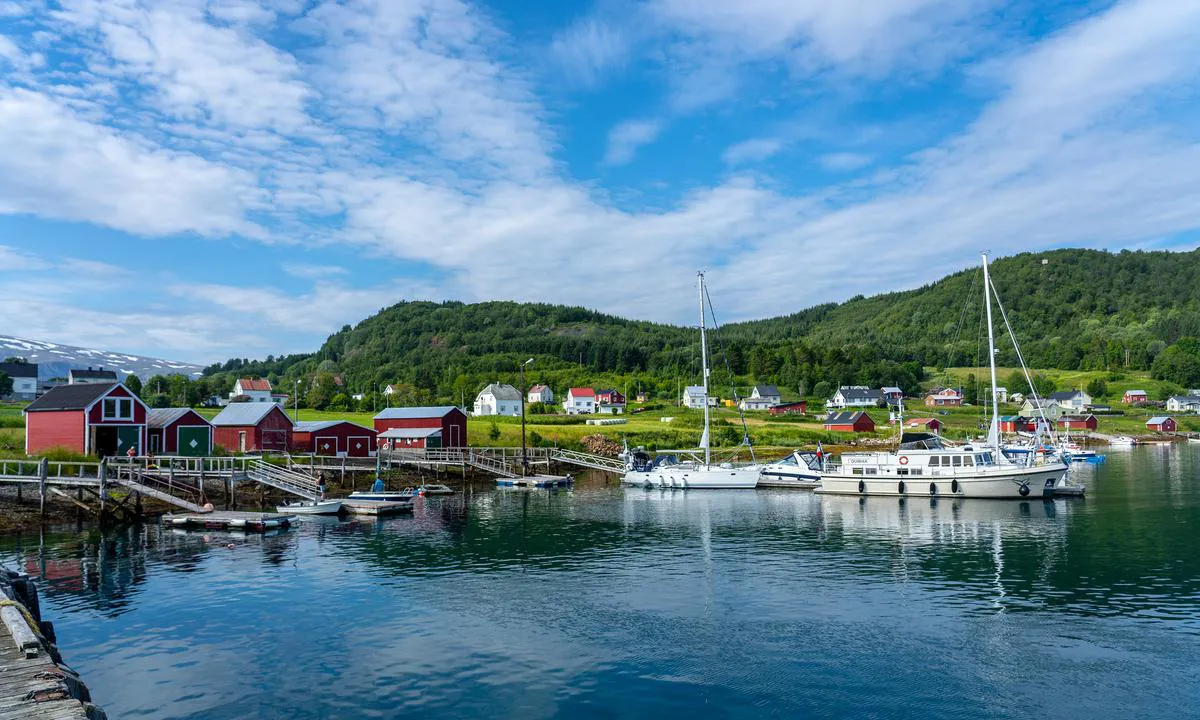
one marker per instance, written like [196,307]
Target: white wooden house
[855,396]
[1183,404]
[1072,400]
[256,390]
[693,397]
[540,394]
[580,401]
[498,399]
[766,393]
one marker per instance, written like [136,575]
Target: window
[957,461]
[872,471]
[916,471]
[902,471]
[945,461]
[118,409]
[935,461]
[969,460]
[856,471]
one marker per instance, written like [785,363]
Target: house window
[118,409]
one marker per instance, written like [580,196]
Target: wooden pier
[233,520]
[369,507]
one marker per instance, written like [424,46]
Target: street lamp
[524,391]
[296,402]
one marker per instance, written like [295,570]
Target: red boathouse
[253,427]
[178,431]
[850,422]
[333,437]
[420,427]
[92,419]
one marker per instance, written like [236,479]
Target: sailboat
[923,465]
[666,471]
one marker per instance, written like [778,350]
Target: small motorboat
[1122,441]
[435,490]
[315,507]
[389,496]
[1194,440]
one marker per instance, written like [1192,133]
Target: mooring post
[43,471]
[103,477]
[343,481]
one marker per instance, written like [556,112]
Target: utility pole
[296,403]
[524,391]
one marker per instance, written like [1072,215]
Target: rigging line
[962,319]
[1024,369]
[728,369]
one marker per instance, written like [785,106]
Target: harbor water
[606,602]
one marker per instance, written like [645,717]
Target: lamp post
[296,402]
[524,391]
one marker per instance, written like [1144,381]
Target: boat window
[872,471]
[856,471]
[945,461]
[935,461]
[987,458]
[968,460]
[957,461]
[902,471]
[916,471]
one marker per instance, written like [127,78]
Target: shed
[253,427]
[1161,424]
[91,418]
[411,438]
[1077,422]
[1017,423]
[850,422]
[178,431]
[794,408]
[932,425]
[447,418]
[340,438]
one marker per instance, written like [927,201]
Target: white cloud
[625,139]
[14,259]
[591,48]
[844,161]
[329,305]
[310,271]
[754,150]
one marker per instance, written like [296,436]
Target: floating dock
[233,520]
[372,507]
[536,481]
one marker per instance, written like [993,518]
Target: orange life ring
[903,459]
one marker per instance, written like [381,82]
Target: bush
[494,432]
[1097,388]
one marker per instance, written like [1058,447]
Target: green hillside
[1071,309]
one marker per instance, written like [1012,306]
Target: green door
[129,436]
[193,441]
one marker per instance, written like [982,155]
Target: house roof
[1014,418]
[1066,395]
[260,384]
[856,392]
[415,413]
[766,390]
[792,404]
[70,397]
[250,413]
[309,426]
[1076,418]
[694,390]
[410,433]
[1040,402]
[1135,392]
[91,374]
[1189,399]
[538,388]
[1158,420]
[847,417]
[891,390]
[582,392]
[921,421]
[162,417]
[501,391]
[19,370]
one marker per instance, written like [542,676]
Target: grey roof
[860,393]
[892,389]
[767,390]
[1157,420]
[500,391]
[847,416]
[19,370]
[1066,394]
[415,413]
[1189,399]
[308,426]
[70,397]
[90,374]
[695,390]
[246,413]
[162,417]
[410,433]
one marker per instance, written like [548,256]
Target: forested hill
[1071,309]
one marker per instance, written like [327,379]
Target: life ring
[1024,489]
[933,488]
[862,486]
[903,459]
[954,486]
[900,488]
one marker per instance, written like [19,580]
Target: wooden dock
[231,520]
[536,482]
[370,507]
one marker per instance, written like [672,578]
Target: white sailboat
[924,465]
[667,472]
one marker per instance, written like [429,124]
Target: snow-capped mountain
[55,360]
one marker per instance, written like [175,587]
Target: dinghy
[316,507]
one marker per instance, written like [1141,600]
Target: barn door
[193,441]
[129,436]
[325,445]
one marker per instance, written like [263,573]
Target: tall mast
[705,439]
[994,430]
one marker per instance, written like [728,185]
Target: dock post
[343,481]
[43,471]
[103,477]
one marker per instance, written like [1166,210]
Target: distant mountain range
[55,360]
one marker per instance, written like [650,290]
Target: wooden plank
[83,505]
[18,628]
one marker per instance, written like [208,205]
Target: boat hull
[388,497]
[695,478]
[326,507]
[1037,482]
[788,478]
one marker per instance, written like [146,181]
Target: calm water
[610,603]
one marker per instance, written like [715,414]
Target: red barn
[1161,424]
[932,425]
[849,421]
[178,431]
[794,408]
[93,419]
[1016,423]
[1077,422]
[253,427]
[449,422]
[333,437]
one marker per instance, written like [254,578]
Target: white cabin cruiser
[798,470]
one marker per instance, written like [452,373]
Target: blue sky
[201,179]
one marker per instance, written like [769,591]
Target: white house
[766,393]
[580,401]
[498,399]
[855,396]
[90,376]
[693,396]
[540,394]
[24,380]
[1001,395]
[1073,400]
[1049,408]
[1183,404]
[756,403]
[892,394]
[258,391]
[390,390]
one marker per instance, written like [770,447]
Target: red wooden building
[794,408]
[1077,422]
[333,437]
[1161,424]
[932,425]
[253,427]
[178,431]
[850,421]
[449,421]
[93,419]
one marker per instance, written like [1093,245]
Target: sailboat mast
[704,365]
[994,430]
